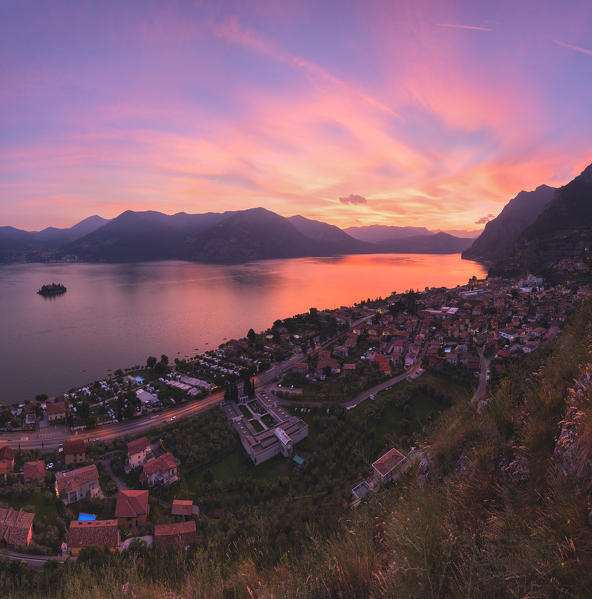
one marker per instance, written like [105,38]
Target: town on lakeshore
[148,454]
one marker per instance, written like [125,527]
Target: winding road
[50,440]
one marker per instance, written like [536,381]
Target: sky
[401,112]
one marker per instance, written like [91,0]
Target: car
[49,466]
[173,418]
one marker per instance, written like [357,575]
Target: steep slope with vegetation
[497,505]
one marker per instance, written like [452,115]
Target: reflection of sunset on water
[114,315]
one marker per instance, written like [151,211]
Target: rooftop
[163,463]
[34,470]
[131,503]
[385,464]
[94,532]
[15,526]
[138,445]
[182,507]
[70,481]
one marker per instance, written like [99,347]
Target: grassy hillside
[498,506]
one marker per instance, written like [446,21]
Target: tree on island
[251,336]
[151,362]
[231,392]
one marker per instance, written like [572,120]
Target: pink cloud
[455,26]
[572,47]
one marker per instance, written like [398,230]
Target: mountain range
[227,237]
[500,234]
[380,233]
[538,228]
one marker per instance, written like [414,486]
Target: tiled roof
[72,480]
[179,534]
[387,463]
[103,533]
[131,504]
[53,409]
[34,470]
[182,507]
[138,445]
[6,453]
[74,446]
[15,526]
[163,463]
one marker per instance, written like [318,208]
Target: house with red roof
[78,484]
[34,472]
[326,363]
[300,368]
[161,471]
[137,452]
[16,528]
[383,364]
[74,451]
[93,533]
[132,507]
[179,534]
[389,465]
[56,411]
[7,456]
[182,507]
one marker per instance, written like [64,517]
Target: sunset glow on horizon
[402,113]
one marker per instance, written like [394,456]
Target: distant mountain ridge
[225,238]
[379,233]
[16,244]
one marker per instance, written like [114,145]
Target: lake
[115,315]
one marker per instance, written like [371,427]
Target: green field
[245,411]
[268,420]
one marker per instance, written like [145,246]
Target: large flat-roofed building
[280,438]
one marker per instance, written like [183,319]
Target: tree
[164,359]
[151,362]
[132,403]
[251,336]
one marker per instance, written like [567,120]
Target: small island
[52,290]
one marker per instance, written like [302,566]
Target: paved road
[34,561]
[381,387]
[49,440]
[352,403]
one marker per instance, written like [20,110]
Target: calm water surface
[115,315]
